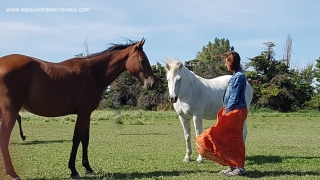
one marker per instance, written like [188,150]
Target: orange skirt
[223,142]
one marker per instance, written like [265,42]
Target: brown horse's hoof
[75,176]
[90,173]
[16,178]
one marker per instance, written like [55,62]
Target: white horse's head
[173,68]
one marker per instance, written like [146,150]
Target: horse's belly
[48,111]
[210,115]
[211,111]
[188,110]
[49,107]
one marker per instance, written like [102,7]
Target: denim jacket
[234,95]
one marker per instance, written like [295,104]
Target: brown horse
[73,86]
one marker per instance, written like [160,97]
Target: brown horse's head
[138,65]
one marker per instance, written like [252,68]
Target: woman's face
[227,64]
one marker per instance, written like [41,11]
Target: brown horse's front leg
[85,144]
[73,154]
[81,134]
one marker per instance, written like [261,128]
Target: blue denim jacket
[234,96]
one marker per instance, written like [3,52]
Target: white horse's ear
[180,65]
[167,66]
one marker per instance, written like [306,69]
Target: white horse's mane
[172,62]
[175,65]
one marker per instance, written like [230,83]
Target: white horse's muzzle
[173,99]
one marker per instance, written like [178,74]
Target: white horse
[196,98]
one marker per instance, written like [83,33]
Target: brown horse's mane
[113,47]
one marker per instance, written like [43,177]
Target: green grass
[150,145]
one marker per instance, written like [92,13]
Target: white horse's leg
[197,121]
[186,130]
[245,131]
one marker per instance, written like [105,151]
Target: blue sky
[177,28]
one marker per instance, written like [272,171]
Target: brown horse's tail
[23,137]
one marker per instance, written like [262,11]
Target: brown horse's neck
[107,67]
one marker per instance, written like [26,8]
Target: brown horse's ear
[141,43]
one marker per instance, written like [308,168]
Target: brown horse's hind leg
[7,125]
[23,137]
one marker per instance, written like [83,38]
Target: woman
[223,141]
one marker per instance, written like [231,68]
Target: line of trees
[276,85]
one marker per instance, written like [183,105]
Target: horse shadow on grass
[38,142]
[143,134]
[251,160]
[137,175]
[261,160]
[141,175]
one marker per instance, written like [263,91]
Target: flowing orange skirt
[223,142]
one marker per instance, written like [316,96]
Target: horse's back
[15,70]
[13,62]
[18,69]
[205,98]
[43,88]
[212,100]
[221,82]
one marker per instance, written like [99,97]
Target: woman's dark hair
[234,58]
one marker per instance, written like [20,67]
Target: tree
[207,64]
[287,51]
[304,89]
[314,103]
[124,90]
[151,99]
[317,71]
[275,85]
[127,91]
[85,51]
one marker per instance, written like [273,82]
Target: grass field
[150,145]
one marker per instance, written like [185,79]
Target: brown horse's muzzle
[148,83]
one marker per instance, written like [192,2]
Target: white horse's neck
[190,83]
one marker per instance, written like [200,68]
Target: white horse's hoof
[186,159]
[16,178]
[200,159]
